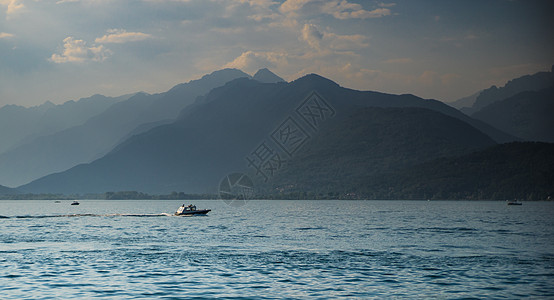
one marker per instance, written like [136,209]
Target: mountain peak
[315,78]
[227,72]
[266,76]
[208,81]
[45,106]
[48,104]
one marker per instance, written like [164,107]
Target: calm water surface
[277,249]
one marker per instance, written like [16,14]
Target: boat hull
[193,212]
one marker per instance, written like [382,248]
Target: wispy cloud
[4,35]
[119,36]
[387,4]
[291,6]
[251,60]
[327,41]
[344,10]
[312,35]
[262,9]
[66,1]
[77,51]
[339,9]
[12,6]
[361,44]
[163,1]
[342,42]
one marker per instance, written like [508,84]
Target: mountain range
[217,134]
[7,191]
[534,82]
[527,115]
[372,141]
[59,151]
[522,107]
[309,135]
[465,103]
[20,125]
[522,170]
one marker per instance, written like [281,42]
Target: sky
[60,50]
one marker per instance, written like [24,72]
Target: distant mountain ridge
[97,136]
[465,102]
[535,82]
[214,136]
[527,115]
[7,191]
[170,104]
[521,108]
[19,125]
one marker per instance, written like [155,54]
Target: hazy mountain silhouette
[535,82]
[373,141]
[213,137]
[7,191]
[465,102]
[170,104]
[84,143]
[266,76]
[527,115]
[19,125]
[502,172]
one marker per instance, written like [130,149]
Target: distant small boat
[75,203]
[514,202]
[191,211]
[57,201]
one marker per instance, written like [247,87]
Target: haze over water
[277,249]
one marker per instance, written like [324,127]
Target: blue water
[276,249]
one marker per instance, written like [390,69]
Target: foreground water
[276,249]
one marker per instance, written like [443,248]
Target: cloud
[387,4]
[259,3]
[339,9]
[261,9]
[12,6]
[326,41]
[345,42]
[251,61]
[344,10]
[291,6]
[119,36]
[4,35]
[77,51]
[163,1]
[311,34]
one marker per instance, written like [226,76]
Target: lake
[276,249]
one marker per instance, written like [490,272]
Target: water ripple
[268,251]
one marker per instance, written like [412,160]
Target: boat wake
[86,215]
